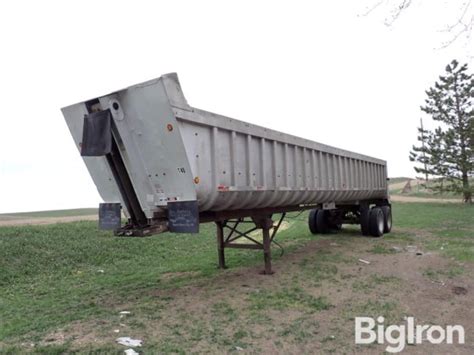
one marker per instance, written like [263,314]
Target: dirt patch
[79,334]
[398,185]
[307,306]
[401,198]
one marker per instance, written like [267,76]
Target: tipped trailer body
[170,166]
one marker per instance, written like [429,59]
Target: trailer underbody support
[231,239]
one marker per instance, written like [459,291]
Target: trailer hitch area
[130,230]
[110,218]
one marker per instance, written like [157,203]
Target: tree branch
[462,27]
[403,5]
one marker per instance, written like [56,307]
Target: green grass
[434,217]
[374,308]
[52,276]
[447,228]
[288,298]
[450,272]
[382,249]
[61,273]
[53,273]
[374,281]
[301,330]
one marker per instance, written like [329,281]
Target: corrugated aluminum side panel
[247,166]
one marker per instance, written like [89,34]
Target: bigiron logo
[398,336]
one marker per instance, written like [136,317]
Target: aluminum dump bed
[160,151]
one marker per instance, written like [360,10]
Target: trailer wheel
[364,220]
[322,222]
[387,219]
[376,222]
[312,221]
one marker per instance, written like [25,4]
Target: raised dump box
[172,166]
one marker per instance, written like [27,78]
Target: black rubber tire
[376,222]
[322,222]
[312,222]
[364,221]
[387,218]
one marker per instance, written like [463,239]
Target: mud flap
[97,134]
[110,216]
[183,217]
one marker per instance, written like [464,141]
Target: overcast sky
[319,71]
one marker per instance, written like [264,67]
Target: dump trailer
[168,166]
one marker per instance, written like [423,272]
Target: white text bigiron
[368,331]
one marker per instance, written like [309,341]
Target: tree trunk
[466,190]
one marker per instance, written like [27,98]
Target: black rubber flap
[109,216]
[183,217]
[97,134]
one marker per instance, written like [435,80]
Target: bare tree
[461,27]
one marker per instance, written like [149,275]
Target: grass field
[47,214]
[397,180]
[419,188]
[62,286]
